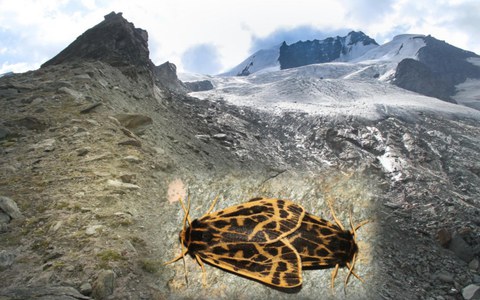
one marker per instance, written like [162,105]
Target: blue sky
[212,36]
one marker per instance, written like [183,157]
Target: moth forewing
[261,220]
[249,239]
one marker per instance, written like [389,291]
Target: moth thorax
[353,249]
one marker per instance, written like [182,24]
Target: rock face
[321,51]
[114,41]
[440,66]
[448,63]
[199,86]
[415,76]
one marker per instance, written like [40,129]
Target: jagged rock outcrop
[114,41]
[166,76]
[321,51]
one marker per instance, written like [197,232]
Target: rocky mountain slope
[95,156]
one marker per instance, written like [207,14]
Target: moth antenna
[354,259]
[184,251]
[186,210]
[329,203]
[213,205]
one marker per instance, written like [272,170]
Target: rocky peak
[114,41]
[354,37]
[304,53]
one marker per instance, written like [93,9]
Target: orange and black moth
[268,240]
[248,239]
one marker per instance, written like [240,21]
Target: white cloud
[46,27]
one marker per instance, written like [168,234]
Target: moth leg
[204,273]
[176,258]
[334,274]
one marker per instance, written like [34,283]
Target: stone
[92,230]
[461,248]
[131,142]
[6,259]
[86,289]
[31,123]
[9,207]
[203,137]
[132,159]
[444,277]
[4,218]
[4,132]
[135,122]
[471,292]
[444,236]
[122,185]
[474,264]
[83,151]
[46,145]
[104,285]
[90,108]
[220,136]
[76,95]
[43,292]
[128,178]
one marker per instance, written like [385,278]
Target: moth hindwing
[249,239]
[323,244]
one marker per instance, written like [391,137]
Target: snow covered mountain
[414,62]
[357,48]
[283,56]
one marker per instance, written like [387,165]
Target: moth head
[185,233]
[184,236]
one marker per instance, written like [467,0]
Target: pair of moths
[268,240]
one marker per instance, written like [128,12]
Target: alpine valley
[98,145]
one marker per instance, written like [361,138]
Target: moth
[323,244]
[249,239]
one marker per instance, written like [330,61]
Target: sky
[213,36]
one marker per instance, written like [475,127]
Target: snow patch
[393,164]
[468,93]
